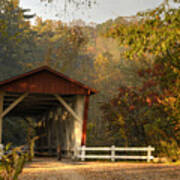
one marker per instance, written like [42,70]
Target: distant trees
[48,42]
[58,45]
[142,115]
[149,112]
[15,36]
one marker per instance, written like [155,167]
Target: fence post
[149,154]
[83,153]
[113,148]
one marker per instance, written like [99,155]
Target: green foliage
[152,33]
[58,44]
[139,113]
[31,145]
[12,163]
[15,130]
[171,149]
[151,108]
[15,37]
[14,159]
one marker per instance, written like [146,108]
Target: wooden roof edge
[47,68]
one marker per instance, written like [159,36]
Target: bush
[12,162]
[171,150]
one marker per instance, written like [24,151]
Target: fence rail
[82,153]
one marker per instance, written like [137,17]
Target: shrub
[12,162]
[171,150]
[14,159]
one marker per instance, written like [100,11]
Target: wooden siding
[44,82]
[47,81]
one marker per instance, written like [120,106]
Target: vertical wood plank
[86,105]
[58,144]
[1,151]
[49,123]
[45,130]
[1,111]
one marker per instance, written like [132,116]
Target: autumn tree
[16,37]
[16,42]
[57,45]
[154,36]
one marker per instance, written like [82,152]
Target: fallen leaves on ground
[51,169]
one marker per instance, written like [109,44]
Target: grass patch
[173,163]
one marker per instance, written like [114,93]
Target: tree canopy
[153,36]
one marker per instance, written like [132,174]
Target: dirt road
[50,169]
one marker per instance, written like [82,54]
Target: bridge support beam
[1,111]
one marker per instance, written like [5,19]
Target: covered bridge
[58,104]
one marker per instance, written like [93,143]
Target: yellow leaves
[121,121]
[164,47]
[101,60]
[126,46]
[169,103]
[171,100]
[15,3]
[101,64]
[119,102]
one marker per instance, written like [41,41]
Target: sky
[100,12]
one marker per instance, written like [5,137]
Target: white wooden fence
[82,153]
